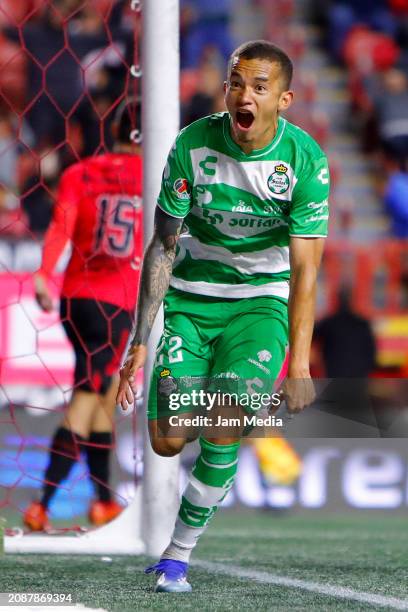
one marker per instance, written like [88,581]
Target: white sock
[179,553]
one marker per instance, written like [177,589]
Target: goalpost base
[119,537]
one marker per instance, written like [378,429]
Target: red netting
[65,67]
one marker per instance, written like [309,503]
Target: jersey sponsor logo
[264,355]
[242,207]
[323,176]
[208,165]
[238,226]
[259,365]
[277,208]
[181,189]
[317,218]
[226,220]
[213,219]
[278,182]
[316,205]
[320,211]
[232,375]
[269,208]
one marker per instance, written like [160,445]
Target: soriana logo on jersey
[181,189]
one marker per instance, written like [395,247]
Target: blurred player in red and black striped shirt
[99,210]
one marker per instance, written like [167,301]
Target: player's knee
[167,447]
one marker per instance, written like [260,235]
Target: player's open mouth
[244,119]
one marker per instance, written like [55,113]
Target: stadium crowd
[370,39]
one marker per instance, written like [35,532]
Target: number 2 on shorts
[175,352]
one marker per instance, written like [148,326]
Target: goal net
[65,66]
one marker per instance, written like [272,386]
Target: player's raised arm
[155,279]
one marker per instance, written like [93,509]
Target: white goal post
[147,523]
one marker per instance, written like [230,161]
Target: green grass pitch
[366,553]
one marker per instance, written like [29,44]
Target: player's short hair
[263,49]
[128,121]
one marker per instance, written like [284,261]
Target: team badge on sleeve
[181,189]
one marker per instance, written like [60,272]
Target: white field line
[313,587]
[294,535]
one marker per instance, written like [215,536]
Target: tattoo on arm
[156,272]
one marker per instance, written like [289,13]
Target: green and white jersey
[240,210]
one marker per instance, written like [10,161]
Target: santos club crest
[278,182]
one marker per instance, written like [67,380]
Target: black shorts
[98,332]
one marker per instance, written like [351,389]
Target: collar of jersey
[256,152]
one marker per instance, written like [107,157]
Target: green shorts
[212,343]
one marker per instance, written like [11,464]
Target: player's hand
[135,360]
[298,393]
[42,294]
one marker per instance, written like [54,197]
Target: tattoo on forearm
[156,272]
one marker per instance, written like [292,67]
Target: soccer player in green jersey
[239,230]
